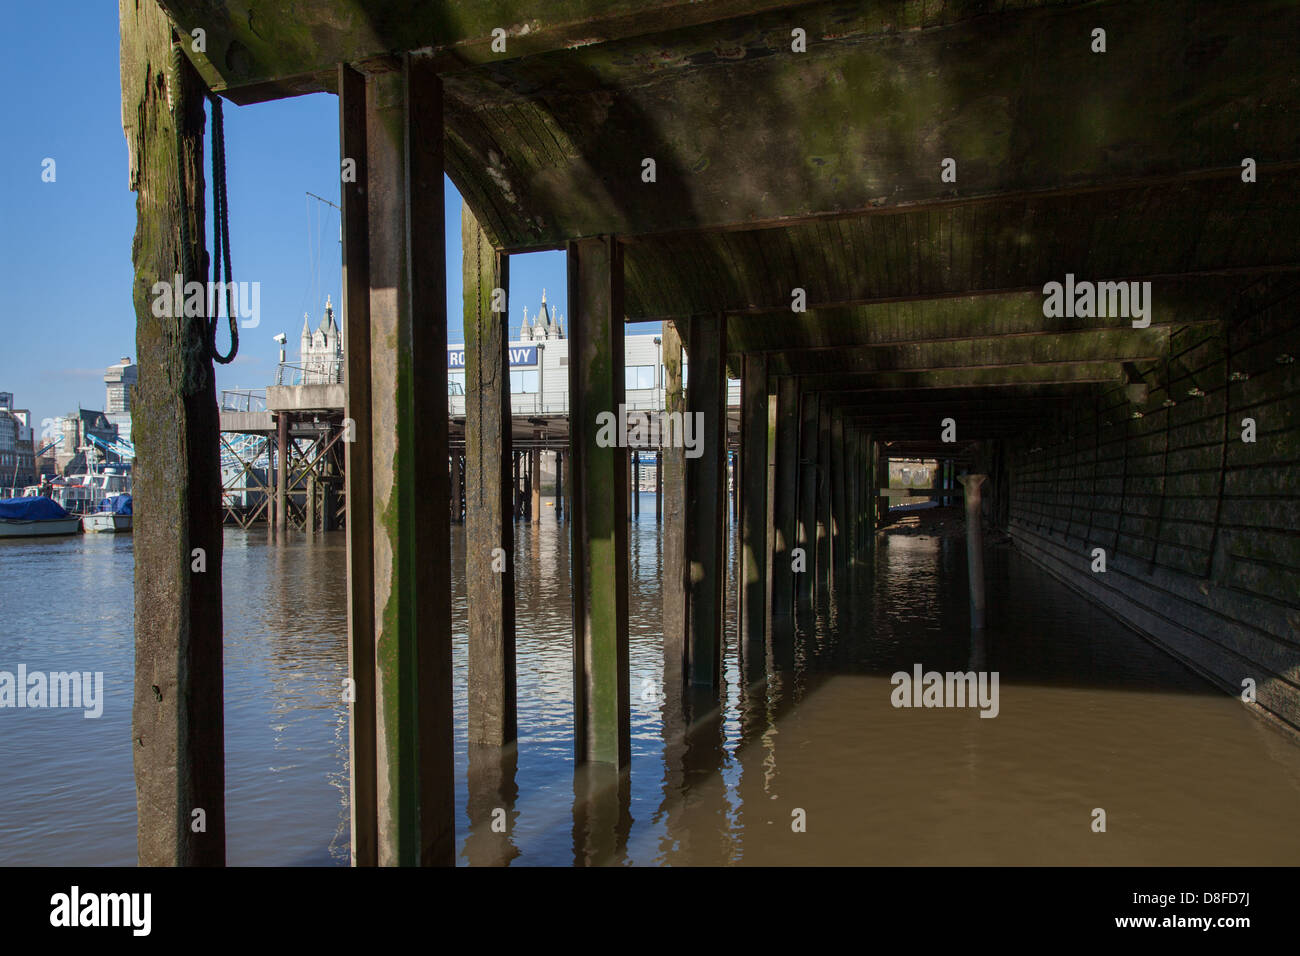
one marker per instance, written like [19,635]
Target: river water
[815,765]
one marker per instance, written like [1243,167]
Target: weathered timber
[177,716]
[674,527]
[753,489]
[598,550]
[489,520]
[412,584]
[783,501]
[706,490]
[807,493]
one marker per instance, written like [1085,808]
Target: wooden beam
[753,513]
[358,499]
[177,717]
[706,491]
[674,535]
[784,500]
[412,578]
[489,522]
[598,553]
[807,494]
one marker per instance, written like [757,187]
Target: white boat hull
[105,521]
[10,528]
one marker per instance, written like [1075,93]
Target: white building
[321,352]
[539,376]
[118,380]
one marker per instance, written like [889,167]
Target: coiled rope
[220,215]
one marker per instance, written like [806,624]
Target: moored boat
[113,516]
[35,517]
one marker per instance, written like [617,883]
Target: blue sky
[65,246]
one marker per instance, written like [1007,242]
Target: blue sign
[519,356]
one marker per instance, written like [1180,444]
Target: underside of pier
[857,209]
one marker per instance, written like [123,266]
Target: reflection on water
[1091,716]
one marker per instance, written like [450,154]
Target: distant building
[17,460]
[118,381]
[74,427]
[544,325]
[321,352]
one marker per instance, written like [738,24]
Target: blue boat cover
[118,504]
[31,509]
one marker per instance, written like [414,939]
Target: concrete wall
[1201,530]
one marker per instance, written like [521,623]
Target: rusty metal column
[674,528]
[706,501]
[408,378]
[598,552]
[489,499]
[753,511]
[974,546]
[281,471]
[177,715]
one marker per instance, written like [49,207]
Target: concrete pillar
[783,501]
[706,489]
[974,546]
[806,536]
[489,494]
[411,652]
[753,505]
[674,533]
[598,553]
[177,717]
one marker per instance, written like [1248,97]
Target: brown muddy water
[1090,716]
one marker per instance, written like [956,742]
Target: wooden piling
[674,526]
[706,503]
[408,374]
[177,717]
[753,506]
[598,552]
[784,497]
[807,494]
[535,483]
[489,518]
[825,567]
[973,485]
